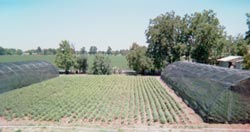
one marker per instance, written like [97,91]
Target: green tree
[10,51]
[248,32]
[19,52]
[2,51]
[64,56]
[206,31]
[101,65]
[49,51]
[93,50]
[166,34]
[83,51]
[82,63]
[124,52]
[246,61]
[39,50]
[137,59]
[241,46]
[109,51]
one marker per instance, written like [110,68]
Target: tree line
[10,51]
[52,51]
[66,58]
[198,37]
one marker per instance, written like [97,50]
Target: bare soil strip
[145,129]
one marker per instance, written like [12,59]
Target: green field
[105,99]
[117,61]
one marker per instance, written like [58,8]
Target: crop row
[104,99]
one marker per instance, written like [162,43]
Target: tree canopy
[101,65]
[64,56]
[165,35]
[109,51]
[83,50]
[93,50]
[137,59]
[248,32]
[82,63]
[198,36]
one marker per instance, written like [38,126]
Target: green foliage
[64,56]
[241,46]
[137,59]
[18,130]
[199,36]
[116,61]
[49,51]
[165,34]
[109,51]
[101,65]
[39,50]
[83,51]
[248,32]
[206,31]
[19,52]
[92,50]
[246,61]
[2,51]
[236,46]
[11,51]
[82,63]
[115,99]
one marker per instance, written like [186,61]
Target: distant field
[118,61]
[95,99]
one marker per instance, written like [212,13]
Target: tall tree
[83,51]
[82,63]
[109,51]
[137,59]
[166,34]
[64,56]
[206,31]
[39,50]
[93,50]
[2,51]
[246,61]
[101,65]
[241,45]
[19,52]
[248,32]
[10,51]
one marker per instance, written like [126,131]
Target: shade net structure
[217,94]
[19,74]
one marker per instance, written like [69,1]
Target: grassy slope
[118,61]
[129,99]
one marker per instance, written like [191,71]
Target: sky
[27,24]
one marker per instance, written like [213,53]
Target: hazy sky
[27,24]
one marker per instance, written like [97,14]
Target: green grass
[117,61]
[15,58]
[115,98]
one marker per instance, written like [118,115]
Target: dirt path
[123,129]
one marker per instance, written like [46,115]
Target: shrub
[101,65]
[247,61]
[82,64]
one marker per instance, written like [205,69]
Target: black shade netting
[217,94]
[15,75]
